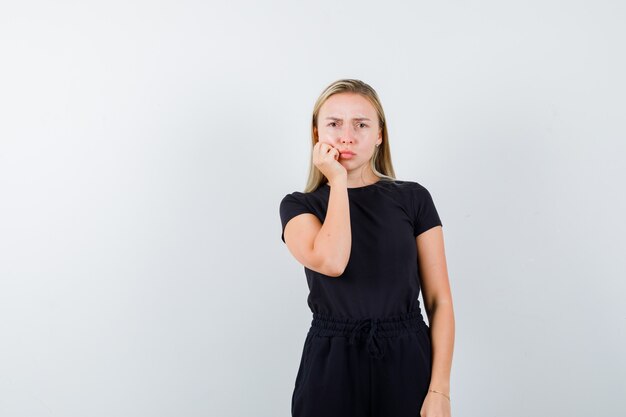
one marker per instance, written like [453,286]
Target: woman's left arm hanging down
[438,305]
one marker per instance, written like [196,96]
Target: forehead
[347,104]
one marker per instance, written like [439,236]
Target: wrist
[338,182]
[438,392]
[440,387]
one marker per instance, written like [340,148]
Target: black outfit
[376,299]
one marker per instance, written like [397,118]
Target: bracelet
[440,393]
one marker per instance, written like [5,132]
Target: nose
[347,134]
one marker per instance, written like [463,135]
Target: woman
[368,243]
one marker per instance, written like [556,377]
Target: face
[348,121]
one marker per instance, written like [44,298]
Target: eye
[364,125]
[332,124]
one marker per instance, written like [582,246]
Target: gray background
[145,147]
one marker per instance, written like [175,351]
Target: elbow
[334,270]
[332,264]
[335,273]
[325,265]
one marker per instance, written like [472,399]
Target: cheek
[326,136]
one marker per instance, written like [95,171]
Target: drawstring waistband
[326,325]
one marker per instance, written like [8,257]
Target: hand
[435,405]
[326,159]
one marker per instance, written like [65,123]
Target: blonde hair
[380,163]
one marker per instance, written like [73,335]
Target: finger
[329,148]
[323,149]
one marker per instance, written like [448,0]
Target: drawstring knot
[373,344]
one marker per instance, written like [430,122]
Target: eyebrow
[355,118]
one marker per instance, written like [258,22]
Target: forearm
[442,328]
[334,240]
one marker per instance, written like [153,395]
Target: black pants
[363,368]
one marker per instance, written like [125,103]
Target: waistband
[390,326]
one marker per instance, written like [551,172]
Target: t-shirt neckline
[364,187]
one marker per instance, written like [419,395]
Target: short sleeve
[292,205]
[424,211]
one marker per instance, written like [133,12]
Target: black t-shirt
[382,275]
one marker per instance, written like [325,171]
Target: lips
[346,152]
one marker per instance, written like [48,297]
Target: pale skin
[349,121]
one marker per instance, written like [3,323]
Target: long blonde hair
[381,159]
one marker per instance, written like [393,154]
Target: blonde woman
[369,243]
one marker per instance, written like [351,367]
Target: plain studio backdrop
[145,148]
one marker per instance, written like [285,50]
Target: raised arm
[324,248]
